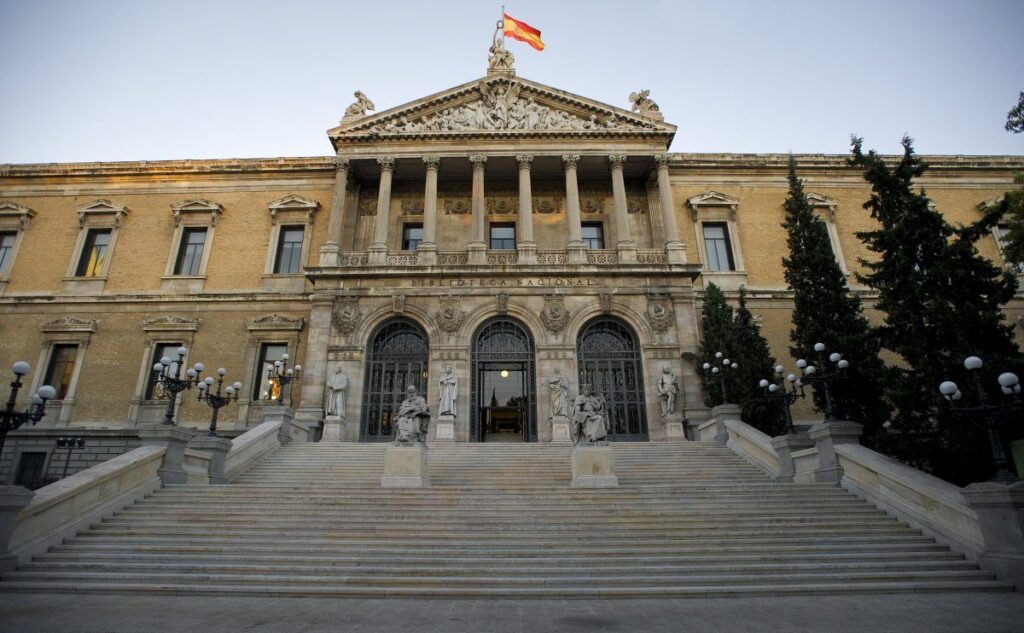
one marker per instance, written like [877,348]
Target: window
[503,236]
[190,252]
[716,241]
[94,253]
[593,235]
[170,350]
[7,240]
[30,470]
[61,368]
[412,235]
[289,250]
[264,389]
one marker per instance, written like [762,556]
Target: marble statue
[559,395]
[449,392]
[500,58]
[590,419]
[337,392]
[412,420]
[668,389]
[359,109]
[643,104]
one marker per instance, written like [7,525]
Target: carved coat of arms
[449,317]
[554,315]
[346,314]
[659,312]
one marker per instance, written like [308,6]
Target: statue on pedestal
[412,420]
[668,389]
[559,395]
[337,392]
[590,418]
[500,58]
[448,392]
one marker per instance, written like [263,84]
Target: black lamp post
[171,381]
[786,390]
[70,443]
[719,370]
[824,375]
[281,374]
[988,414]
[10,419]
[218,400]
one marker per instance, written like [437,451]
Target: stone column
[524,244]
[625,246]
[675,249]
[311,403]
[329,251]
[577,253]
[379,247]
[478,247]
[426,253]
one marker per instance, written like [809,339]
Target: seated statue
[590,420]
[413,419]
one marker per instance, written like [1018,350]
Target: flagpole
[501,22]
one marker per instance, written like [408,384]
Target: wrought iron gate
[609,359]
[396,357]
[503,341]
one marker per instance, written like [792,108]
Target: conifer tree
[942,302]
[825,311]
[716,336]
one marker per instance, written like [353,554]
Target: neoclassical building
[503,228]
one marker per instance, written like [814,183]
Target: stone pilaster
[826,435]
[525,244]
[174,439]
[426,253]
[478,247]
[314,375]
[577,253]
[379,248]
[625,246]
[674,248]
[330,249]
[218,448]
[785,446]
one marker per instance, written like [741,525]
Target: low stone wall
[805,463]
[197,465]
[705,431]
[62,508]
[101,445]
[252,446]
[936,506]
[753,445]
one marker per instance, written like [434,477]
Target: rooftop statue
[644,105]
[358,109]
[500,58]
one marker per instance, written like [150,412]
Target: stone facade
[501,151]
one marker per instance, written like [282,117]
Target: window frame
[502,225]
[162,330]
[279,249]
[68,372]
[272,328]
[89,244]
[407,242]
[99,214]
[599,225]
[713,206]
[825,208]
[14,218]
[730,261]
[184,256]
[260,371]
[292,210]
[190,215]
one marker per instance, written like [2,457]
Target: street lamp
[11,419]
[824,375]
[281,374]
[785,389]
[70,443]
[171,382]
[719,370]
[987,414]
[216,400]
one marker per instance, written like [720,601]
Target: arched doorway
[396,357]
[503,403]
[609,359]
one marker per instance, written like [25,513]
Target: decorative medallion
[502,206]
[545,205]
[368,203]
[659,312]
[592,205]
[412,207]
[398,303]
[346,315]
[554,315]
[502,303]
[457,206]
[449,317]
[635,206]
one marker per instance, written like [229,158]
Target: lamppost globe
[948,388]
[714,370]
[191,373]
[221,371]
[763,383]
[791,378]
[779,369]
[47,392]
[800,364]
[298,368]
[735,364]
[284,356]
[21,368]
[819,347]
[843,364]
[199,367]
[208,380]
[835,357]
[810,371]
[718,354]
[166,361]
[972,363]
[158,367]
[726,362]
[237,386]
[1008,380]
[182,351]
[773,387]
[229,390]
[707,366]
[202,385]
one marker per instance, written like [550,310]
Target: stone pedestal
[426,254]
[675,252]
[593,467]
[405,467]
[174,439]
[527,253]
[626,252]
[12,500]
[377,255]
[784,446]
[576,253]
[1000,509]
[826,435]
[274,413]
[444,429]
[560,430]
[332,429]
[674,427]
[218,448]
[329,255]
[476,253]
[720,414]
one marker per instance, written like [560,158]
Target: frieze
[502,282]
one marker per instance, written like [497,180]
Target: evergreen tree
[1015,117]
[825,311]
[716,336]
[942,303]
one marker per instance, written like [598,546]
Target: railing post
[12,500]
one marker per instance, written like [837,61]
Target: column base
[405,467]
[332,430]
[576,253]
[675,251]
[477,253]
[674,427]
[561,432]
[378,255]
[593,467]
[329,255]
[527,252]
[426,254]
[627,252]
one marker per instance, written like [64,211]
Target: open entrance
[503,376]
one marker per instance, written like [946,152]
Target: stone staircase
[688,519]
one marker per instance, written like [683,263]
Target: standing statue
[559,395]
[449,392]
[500,58]
[668,389]
[590,419]
[337,392]
[358,109]
[644,105]
[412,420]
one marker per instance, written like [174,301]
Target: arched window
[609,359]
[396,357]
[503,402]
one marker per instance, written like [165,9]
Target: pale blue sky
[160,79]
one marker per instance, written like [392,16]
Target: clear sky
[160,79]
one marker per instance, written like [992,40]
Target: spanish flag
[522,32]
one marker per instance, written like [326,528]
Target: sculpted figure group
[588,413]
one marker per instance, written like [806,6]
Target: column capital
[616,160]
[432,162]
[570,160]
[661,160]
[340,164]
[524,160]
[478,160]
[387,163]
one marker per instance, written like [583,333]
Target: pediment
[713,199]
[100,208]
[199,206]
[818,200]
[15,214]
[499,106]
[293,205]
